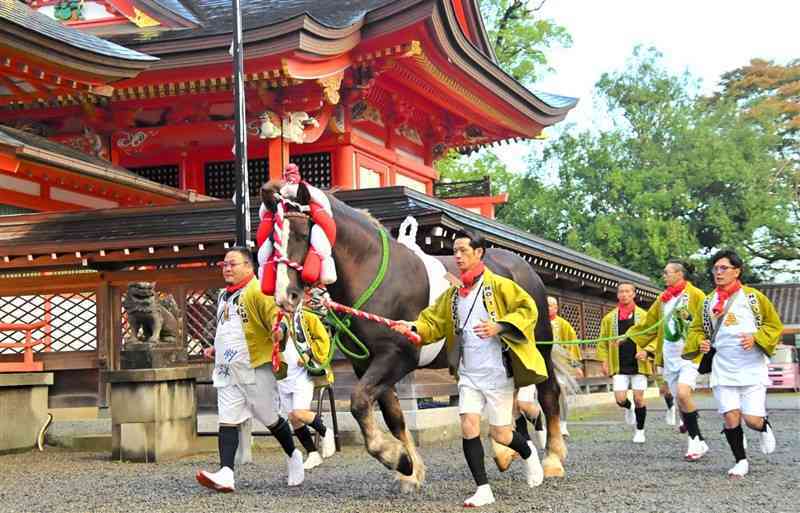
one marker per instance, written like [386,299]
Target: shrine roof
[33,147]
[216,16]
[392,204]
[176,7]
[20,15]
[786,299]
[212,223]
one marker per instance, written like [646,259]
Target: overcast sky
[706,37]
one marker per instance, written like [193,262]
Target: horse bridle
[279,257]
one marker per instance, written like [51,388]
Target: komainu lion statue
[154,316]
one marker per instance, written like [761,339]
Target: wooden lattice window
[592,316]
[315,168]
[220,177]
[571,311]
[165,175]
[73,320]
[201,319]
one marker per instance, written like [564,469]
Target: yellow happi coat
[692,297]
[608,351]
[563,330]
[506,302]
[259,311]
[767,321]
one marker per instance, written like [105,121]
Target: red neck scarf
[233,288]
[723,294]
[552,316]
[469,278]
[625,311]
[673,291]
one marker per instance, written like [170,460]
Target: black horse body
[403,294]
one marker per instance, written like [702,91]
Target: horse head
[292,244]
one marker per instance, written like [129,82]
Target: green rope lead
[343,325]
[604,339]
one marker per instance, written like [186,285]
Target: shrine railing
[463,189]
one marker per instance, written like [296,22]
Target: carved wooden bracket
[331,86]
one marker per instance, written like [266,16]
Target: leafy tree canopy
[676,176]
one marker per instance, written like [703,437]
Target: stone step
[98,442]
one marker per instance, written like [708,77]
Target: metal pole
[242,189]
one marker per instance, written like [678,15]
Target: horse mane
[371,218]
[360,215]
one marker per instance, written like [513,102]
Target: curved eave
[469,59]
[166,15]
[105,173]
[472,9]
[306,34]
[63,55]
[301,32]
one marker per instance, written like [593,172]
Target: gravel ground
[605,472]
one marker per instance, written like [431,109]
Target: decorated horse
[308,237]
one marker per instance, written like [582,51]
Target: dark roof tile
[19,14]
[217,16]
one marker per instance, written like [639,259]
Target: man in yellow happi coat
[672,311]
[488,323]
[743,328]
[243,375]
[623,361]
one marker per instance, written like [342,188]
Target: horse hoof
[552,466]
[405,466]
[408,484]
[503,456]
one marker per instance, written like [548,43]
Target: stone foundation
[23,408]
[153,413]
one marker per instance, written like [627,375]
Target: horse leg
[556,448]
[396,422]
[372,385]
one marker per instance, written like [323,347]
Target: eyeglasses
[229,265]
[718,269]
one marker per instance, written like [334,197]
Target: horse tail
[563,370]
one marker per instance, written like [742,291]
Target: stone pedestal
[138,355]
[153,413]
[23,408]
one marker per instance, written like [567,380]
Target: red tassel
[276,343]
[311,267]
[325,221]
[264,229]
[276,356]
[268,279]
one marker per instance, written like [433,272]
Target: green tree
[520,39]
[676,176]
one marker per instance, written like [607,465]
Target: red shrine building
[359,94]
[116,163]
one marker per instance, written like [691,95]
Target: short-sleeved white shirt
[481,364]
[732,365]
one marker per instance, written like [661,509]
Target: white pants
[527,394]
[623,382]
[296,395]
[750,399]
[498,402]
[686,375]
[237,403]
